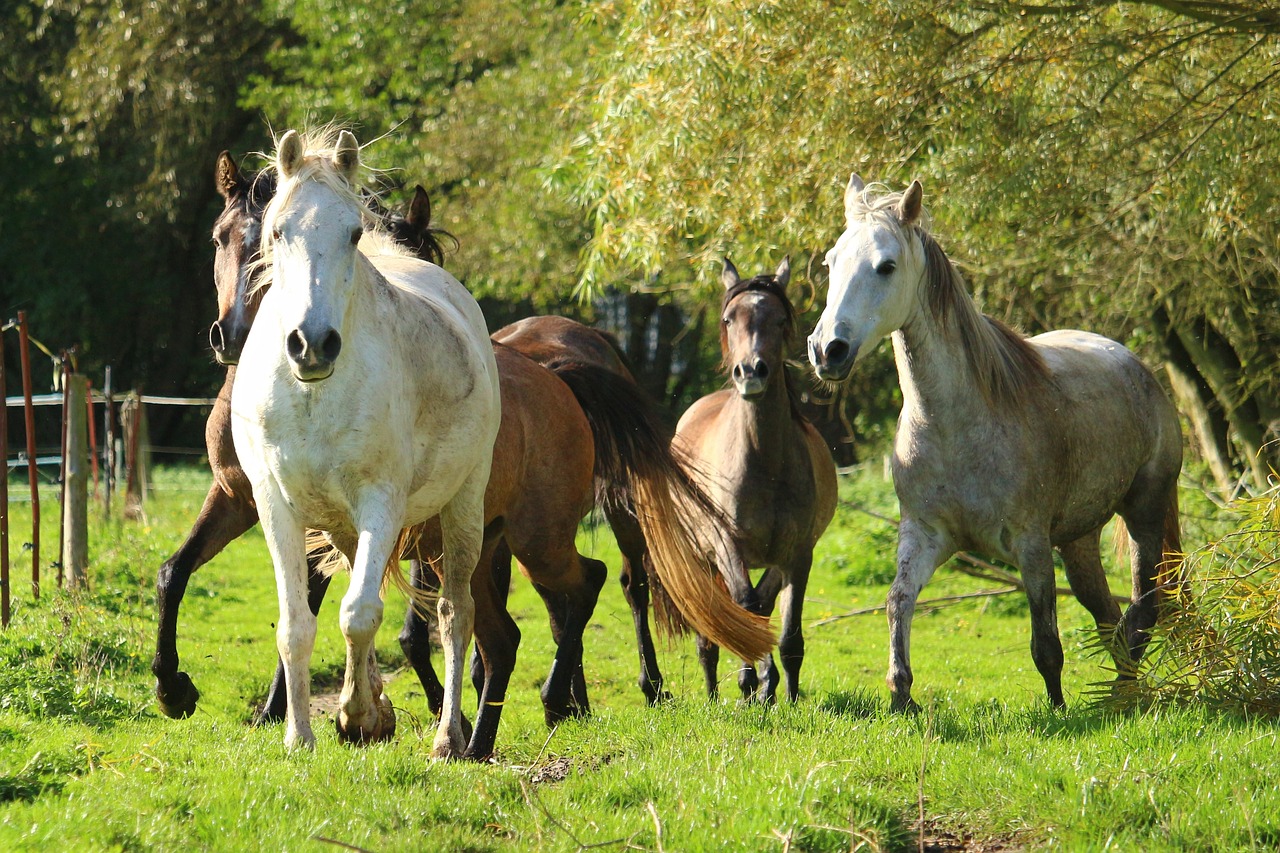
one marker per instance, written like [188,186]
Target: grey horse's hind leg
[1144,512]
[1088,579]
[1036,563]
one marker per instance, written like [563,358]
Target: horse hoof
[179,700]
[266,716]
[659,697]
[383,728]
[904,706]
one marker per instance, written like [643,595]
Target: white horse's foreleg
[462,534]
[361,715]
[919,555]
[296,628]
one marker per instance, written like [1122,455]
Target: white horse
[366,401]
[1007,446]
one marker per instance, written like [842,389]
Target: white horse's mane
[320,144]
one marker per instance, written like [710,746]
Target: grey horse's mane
[1004,363]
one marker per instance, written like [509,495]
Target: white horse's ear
[347,158]
[852,193]
[289,154]
[783,275]
[909,207]
[729,275]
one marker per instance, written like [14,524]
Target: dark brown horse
[767,467]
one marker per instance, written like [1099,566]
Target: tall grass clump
[1217,644]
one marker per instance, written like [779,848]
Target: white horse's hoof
[377,726]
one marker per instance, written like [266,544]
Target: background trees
[1096,164]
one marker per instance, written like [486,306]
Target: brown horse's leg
[791,644]
[758,680]
[497,639]
[1036,563]
[277,701]
[222,519]
[415,637]
[1088,579]
[564,692]
[500,571]
[635,587]
[709,657]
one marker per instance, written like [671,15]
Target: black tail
[639,469]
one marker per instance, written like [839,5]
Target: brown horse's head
[237,237]
[756,323]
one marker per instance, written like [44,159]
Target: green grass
[86,762]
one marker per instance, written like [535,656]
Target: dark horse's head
[237,236]
[756,324]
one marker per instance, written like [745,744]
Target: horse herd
[368,417]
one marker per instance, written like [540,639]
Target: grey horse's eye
[886,268]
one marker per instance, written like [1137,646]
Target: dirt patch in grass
[934,838]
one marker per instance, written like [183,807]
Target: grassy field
[88,763]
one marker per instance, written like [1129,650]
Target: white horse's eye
[355,235]
[886,268]
[275,233]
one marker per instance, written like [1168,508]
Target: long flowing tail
[634,453]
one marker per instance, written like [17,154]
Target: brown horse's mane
[1004,363]
[766,284]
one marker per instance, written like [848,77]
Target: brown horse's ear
[347,158]
[729,275]
[226,177]
[419,214]
[852,194]
[909,207]
[783,275]
[289,154]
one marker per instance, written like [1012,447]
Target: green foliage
[1218,643]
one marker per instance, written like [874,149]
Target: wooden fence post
[136,455]
[24,351]
[4,496]
[108,443]
[75,477]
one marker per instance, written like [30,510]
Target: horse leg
[758,680]
[1088,580]
[919,555]
[1036,563]
[462,531]
[500,572]
[415,637]
[564,693]
[364,712]
[296,627]
[635,588]
[791,645]
[709,657]
[222,519]
[274,707]
[1144,513]
[497,639]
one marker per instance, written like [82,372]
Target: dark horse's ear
[289,154]
[226,177]
[909,207]
[783,275]
[347,158]
[729,275]
[419,214]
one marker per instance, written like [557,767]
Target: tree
[1098,164]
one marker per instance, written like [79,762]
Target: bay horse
[367,402]
[768,469]
[1006,445]
[228,510]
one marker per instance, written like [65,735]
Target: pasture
[87,762]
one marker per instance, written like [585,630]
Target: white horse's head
[876,271]
[310,232]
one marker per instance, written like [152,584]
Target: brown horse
[767,467]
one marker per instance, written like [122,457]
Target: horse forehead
[868,238]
